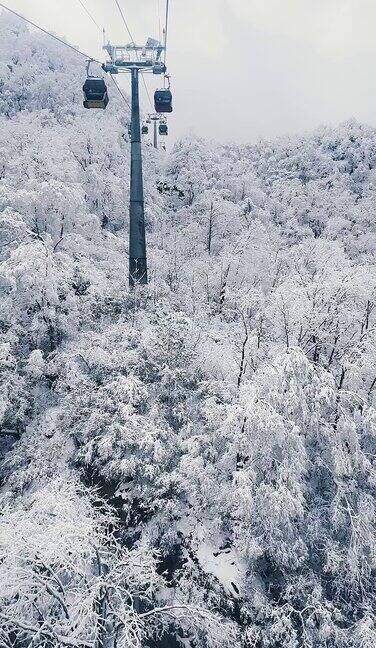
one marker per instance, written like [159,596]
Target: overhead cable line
[159,20]
[133,43]
[60,40]
[147,92]
[166,30]
[124,21]
[89,14]
[120,91]
[165,33]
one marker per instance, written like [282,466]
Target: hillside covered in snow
[190,464]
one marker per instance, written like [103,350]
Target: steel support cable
[60,40]
[134,44]
[159,20]
[165,42]
[120,91]
[89,14]
[166,30]
[147,92]
[124,21]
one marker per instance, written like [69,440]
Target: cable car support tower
[132,59]
[136,60]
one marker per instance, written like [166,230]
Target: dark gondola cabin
[95,93]
[145,130]
[163,101]
[163,129]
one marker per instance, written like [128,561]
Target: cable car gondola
[163,129]
[95,91]
[144,130]
[163,101]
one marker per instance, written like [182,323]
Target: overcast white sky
[243,69]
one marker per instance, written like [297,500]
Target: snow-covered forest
[192,463]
